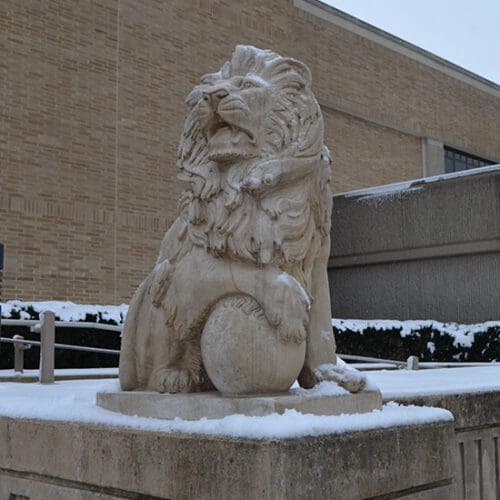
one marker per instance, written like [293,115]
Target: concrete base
[477,430]
[217,405]
[88,462]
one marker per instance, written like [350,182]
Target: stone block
[470,410]
[93,462]
[217,405]
[477,434]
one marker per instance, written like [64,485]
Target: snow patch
[462,334]
[395,384]
[292,282]
[325,335]
[65,311]
[74,401]
[325,388]
[385,193]
[399,189]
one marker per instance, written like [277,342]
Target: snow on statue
[239,296]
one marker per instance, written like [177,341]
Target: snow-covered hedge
[65,311]
[429,340]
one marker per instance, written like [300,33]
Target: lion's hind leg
[183,372]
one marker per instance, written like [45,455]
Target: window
[456,160]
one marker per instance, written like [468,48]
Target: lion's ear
[287,68]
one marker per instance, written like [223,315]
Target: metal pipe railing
[34,324]
[352,357]
[46,327]
[47,344]
[69,347]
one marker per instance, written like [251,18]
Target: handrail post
[18,354]
[47,340]
[412,363]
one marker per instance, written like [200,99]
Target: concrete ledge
[471,410]
[94,462]
[216,405]
[477,428]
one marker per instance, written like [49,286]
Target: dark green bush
[64,358]
[428,343]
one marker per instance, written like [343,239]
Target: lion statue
[253,221]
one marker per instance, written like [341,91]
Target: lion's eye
[248,84]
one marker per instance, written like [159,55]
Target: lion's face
[258,105]
[230,113]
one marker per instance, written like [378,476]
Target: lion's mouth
[218,125]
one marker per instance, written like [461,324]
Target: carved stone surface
[247,255]
[215,405]
[97,462]
[242,353]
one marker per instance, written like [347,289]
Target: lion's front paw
[292,331]
[351,380]
[288,309]
[178,380]
[262,177]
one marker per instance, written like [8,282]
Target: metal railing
[35,324]
[46,327]
[412,363]
[19,340]
[47,324]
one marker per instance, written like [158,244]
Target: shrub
[429,340]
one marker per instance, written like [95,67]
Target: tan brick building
[92,105]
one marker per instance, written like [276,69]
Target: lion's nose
[213,97]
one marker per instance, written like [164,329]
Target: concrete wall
[93,103]
[421,250]
[433,461]
[95,462]
[477,434]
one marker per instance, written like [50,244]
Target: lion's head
[254,164]
[258,105]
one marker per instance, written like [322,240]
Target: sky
[465,32]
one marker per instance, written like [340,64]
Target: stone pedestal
[215,405]
[70,461]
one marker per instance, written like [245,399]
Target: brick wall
[92,107]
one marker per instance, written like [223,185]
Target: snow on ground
[396,384]
[74,401]
[463,334]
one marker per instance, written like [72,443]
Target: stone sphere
[242,353]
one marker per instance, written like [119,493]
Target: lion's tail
[129,377]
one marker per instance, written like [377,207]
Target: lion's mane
[279,225]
